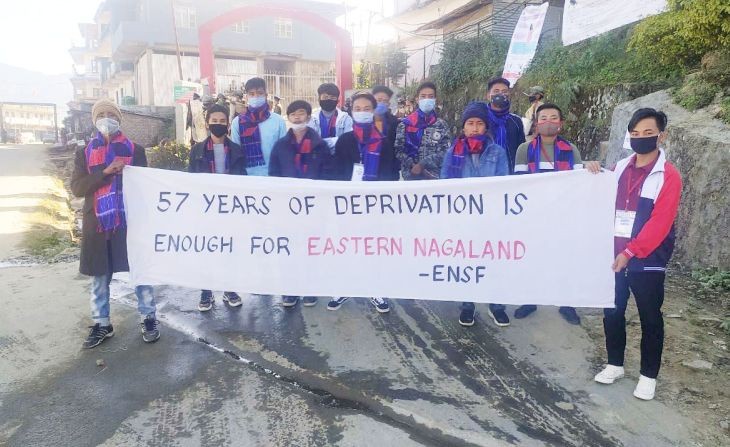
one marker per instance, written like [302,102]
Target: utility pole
[177,40]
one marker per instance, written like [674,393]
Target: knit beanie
[105,105]
[474,110]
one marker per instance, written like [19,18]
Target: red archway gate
[343,44]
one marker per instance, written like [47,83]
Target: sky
[36,34]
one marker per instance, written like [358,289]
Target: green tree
[683,34]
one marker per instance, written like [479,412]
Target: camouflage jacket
[434,144]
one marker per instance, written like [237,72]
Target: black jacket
[198,162]
[347,153]
[282,163]
[99,255]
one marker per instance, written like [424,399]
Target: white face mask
[107,126]
[426,104]
[298,127]
[362,117]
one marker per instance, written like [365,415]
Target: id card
[358,170]
[624,223]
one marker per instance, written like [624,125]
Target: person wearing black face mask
[217,155]
[329,121]
[506,127]
[647,200]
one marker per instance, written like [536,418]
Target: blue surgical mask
[256,101]
[427,104]
[382,108]
[362,117]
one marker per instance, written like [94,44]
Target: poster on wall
[524,41]
[583,19]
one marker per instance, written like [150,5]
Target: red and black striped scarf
[248,128]
[370,144]
[302,154]
[463,147]
[210,156]
[108,200]
[562,155]
[415,124]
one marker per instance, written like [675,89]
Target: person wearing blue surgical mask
[422,138]
[257,129]
[363,154]
[385,121]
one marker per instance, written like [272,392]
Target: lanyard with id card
[624,223]
[358,171]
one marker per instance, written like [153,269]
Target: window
[241,27]
[185,17]
[283,28]
[94,66]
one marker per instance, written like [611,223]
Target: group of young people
[371,144]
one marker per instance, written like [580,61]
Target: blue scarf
[498,125]
[415,124]
[248,128]
[108,200]
[462,148]
[328,127]
[370,144]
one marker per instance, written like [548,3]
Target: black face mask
[501,101]
[644,145]
[218,129]
[328,105]
[532,98]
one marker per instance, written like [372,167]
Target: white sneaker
[645,388]
[610,374]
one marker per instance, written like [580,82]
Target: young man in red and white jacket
[647,200]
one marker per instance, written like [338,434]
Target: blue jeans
[100,300]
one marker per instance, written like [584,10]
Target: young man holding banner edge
[97,177]
[549,152]
[647,200]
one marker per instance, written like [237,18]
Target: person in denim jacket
[475,154]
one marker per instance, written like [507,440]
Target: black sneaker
[570,315]
[97,335]
[206,301]
[336,303]
[232,299]
[381,305]
[499,316]
[525,311]
[150,331]
[467,317]
[289,300]
[309,301]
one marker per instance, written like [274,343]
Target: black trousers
[648,290]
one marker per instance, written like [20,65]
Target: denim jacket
[492,162]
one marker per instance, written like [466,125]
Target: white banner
[532,239]
[587,18]
[524,41]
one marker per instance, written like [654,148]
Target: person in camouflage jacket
[422,138]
